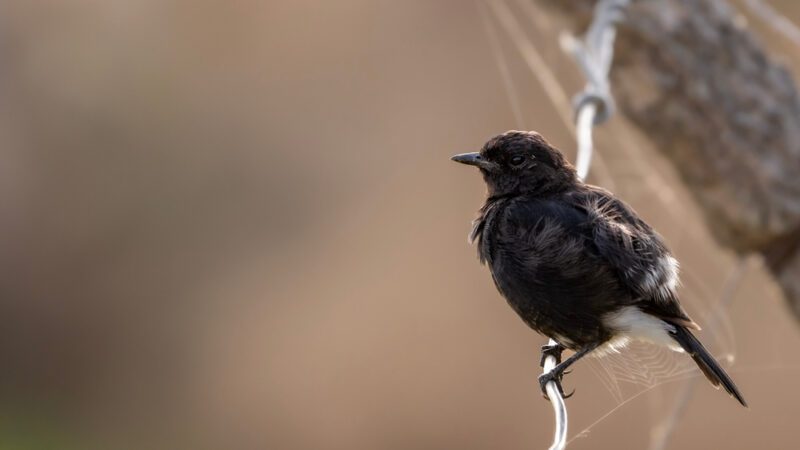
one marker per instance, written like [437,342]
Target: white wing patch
[663,279]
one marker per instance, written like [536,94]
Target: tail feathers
[711,369]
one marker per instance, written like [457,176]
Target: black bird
[576,263]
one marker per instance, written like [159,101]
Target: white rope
[593,106]
[586,118]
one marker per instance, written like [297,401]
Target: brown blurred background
[235,225]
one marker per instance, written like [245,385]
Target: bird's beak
[472,159]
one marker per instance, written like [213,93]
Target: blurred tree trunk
[693,79]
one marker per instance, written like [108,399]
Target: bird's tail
[711,369]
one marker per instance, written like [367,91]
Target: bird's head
[519,162]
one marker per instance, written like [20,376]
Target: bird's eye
[517,160]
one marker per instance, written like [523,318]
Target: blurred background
[236,225]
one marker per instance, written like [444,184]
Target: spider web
[645,366]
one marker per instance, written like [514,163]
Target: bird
[575,262]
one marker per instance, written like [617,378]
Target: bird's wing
[637,253]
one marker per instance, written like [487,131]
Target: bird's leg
[551,350]
[557,373]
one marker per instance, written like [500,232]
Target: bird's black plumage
[577,264]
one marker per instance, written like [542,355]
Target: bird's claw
[554,350]
[555,378]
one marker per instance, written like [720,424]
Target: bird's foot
[554,350]
[556,377]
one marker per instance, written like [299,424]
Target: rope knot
[594,55]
